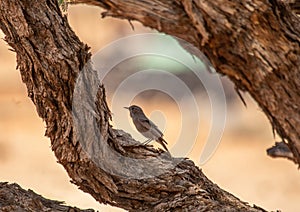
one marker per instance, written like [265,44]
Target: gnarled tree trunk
[256,44]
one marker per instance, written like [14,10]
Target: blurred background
[239,165]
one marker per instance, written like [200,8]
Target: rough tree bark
[255,43]
[14,198]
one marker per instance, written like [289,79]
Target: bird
[146,127]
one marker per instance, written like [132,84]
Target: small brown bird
[146,127]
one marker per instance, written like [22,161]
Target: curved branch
[254,43]
[50,58]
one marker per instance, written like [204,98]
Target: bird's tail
[163,142]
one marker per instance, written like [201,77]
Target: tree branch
[14,198]
[254,43]
[107,163]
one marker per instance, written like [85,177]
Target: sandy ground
[239,165]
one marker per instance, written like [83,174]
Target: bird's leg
[147,141]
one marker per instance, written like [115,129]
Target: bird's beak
[126,108]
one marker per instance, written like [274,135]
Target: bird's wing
[143,125]
[147,124]
[147,121]
[156,128]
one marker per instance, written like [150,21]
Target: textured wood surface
[14,198]
[254,43]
